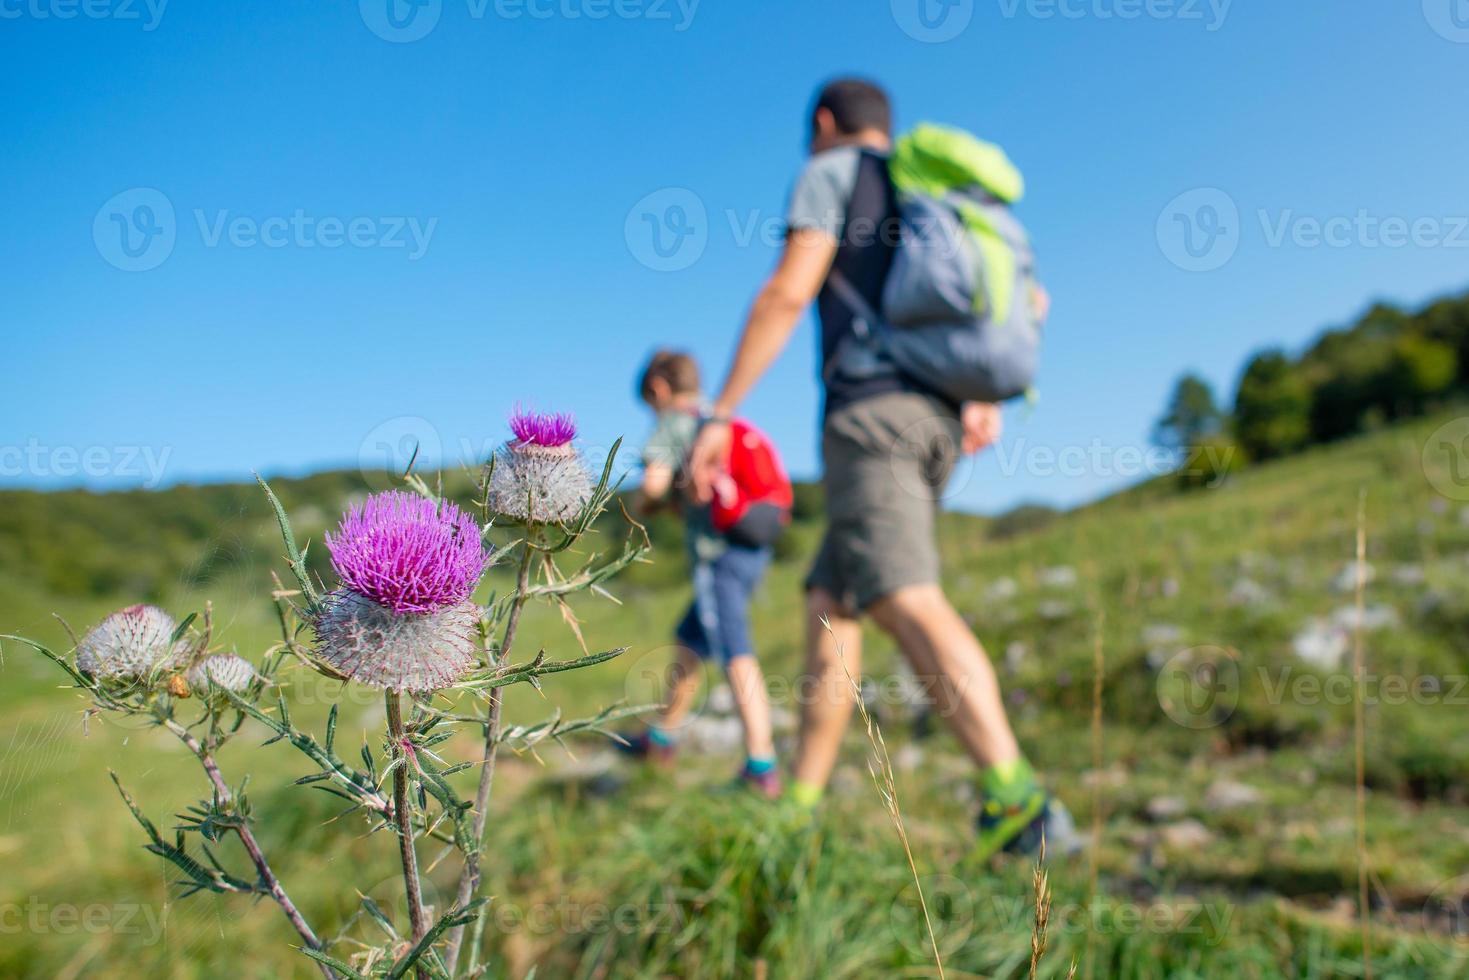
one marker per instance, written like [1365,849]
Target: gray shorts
[887,459]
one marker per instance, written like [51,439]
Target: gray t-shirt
[845,192]
[819,199]
[673,436]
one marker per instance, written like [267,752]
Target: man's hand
[706,458]
[982,426]
[1040,302]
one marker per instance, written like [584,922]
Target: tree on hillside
[1422,369]
[1272,407]
[1191,415]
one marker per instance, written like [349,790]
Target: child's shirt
[673,436]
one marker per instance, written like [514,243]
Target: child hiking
[920,231]
[728,540]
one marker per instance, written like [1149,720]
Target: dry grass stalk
[881,767]
[1098,665]
[1041,881]
[1360,734]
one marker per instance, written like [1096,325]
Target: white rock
[1163,809]
[721,700]
[908,758]
[1059,577]
[1226,794]
[1248,592]
[1322,644]
[1373,617]
[709,733]
[1186,835]
[1346,579]
[1015,653]
[1409,575]
[1053,610]
[1161,635]
[782,719]
[1001,589]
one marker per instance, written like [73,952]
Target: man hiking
[889,445]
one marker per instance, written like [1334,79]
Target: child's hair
[677,369]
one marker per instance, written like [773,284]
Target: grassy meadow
[1227,845]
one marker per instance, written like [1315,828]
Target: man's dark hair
[855,104]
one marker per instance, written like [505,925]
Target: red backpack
[752,498]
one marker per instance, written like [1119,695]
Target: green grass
[652,876]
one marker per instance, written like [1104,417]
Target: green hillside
[1228,845]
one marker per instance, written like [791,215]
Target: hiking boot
[1019,828]
[641,746]
[766,784]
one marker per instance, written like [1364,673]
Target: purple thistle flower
[370,644]
[408,553]
[549,429]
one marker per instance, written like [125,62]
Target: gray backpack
[958,307]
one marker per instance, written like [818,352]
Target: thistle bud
[130,645]
[227,672]
[538,476]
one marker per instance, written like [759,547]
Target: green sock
[1009,782]
[805,794]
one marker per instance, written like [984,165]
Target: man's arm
[803,266]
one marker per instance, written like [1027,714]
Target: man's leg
[747,683]
[826,694]
[952,664]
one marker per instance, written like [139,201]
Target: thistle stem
[469,878]
[252,846]
[403,816]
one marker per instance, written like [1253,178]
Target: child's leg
[747,682]
[736,574]
[684,675]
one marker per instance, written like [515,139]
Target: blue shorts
[717,624]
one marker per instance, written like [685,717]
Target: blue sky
[394,228]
